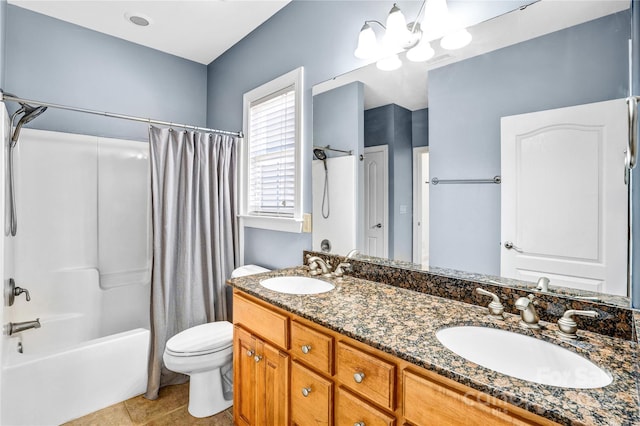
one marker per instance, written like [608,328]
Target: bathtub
[48,385]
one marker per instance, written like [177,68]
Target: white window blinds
[271,155]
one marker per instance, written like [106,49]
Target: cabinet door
[351,410]
[244,377]
[272,386]
[311,397]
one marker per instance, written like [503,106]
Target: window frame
[272,222]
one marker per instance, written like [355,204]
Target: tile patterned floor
[169,409]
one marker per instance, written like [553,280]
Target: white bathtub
[49,388]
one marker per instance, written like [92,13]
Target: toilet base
[205,394]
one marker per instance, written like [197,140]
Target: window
[271,158]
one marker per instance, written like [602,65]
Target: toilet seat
[202,339]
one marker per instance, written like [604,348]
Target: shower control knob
[306,349]
[306,392]
[19,290]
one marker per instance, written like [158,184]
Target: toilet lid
[201,339]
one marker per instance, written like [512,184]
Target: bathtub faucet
[17,327]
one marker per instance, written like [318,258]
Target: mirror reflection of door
[564,198]
[376,201]
[421,205]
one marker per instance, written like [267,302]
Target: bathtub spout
[17,327]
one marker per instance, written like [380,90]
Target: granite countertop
[403,323]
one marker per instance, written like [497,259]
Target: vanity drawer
[351,410]
[311,397]
[312,347]
[262,321]
[366,374]
[434,400]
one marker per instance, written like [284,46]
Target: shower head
[30,113]
[321,155]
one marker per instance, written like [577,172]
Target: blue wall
[420,127]
[583,64]
[54,61]
[391,125]
[338,117]
[321,36]
[635,174]
[3,30]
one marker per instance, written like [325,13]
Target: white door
[421,206]
[564,200]
[376,201]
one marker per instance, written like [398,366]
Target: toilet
[205,353]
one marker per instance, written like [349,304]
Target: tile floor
[169,409]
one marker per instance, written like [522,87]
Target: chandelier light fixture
[414,38]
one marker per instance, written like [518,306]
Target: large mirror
[456,174]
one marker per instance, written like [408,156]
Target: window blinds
[272,172]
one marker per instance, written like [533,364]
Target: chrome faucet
[543,284]
[496,308]
[16,327]
[528,316]
[315,262]
[353,253]
[567,327]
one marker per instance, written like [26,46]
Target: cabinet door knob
[257,358]
[359,424]
[358,377]
[250,352]
[306,349]
[306,392]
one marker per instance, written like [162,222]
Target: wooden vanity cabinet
[315,380]
[261,378]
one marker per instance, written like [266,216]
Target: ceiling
[198,30]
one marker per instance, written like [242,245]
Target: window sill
[272,223]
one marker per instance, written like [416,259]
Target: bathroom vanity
[366,353]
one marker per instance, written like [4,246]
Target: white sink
[297,285]
[523,357]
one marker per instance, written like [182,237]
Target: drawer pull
[359,424]
[250,352]
[306,349]
[358,377]
[257,358]
[306,392]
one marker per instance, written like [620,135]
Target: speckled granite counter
[403,323]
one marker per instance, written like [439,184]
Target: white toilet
[205,353]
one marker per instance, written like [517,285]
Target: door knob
[510,246]
[379,225]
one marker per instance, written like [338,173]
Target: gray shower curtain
[193,199]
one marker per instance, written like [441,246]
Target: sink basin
[523,357]
[297,285]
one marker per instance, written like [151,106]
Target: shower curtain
[193,199]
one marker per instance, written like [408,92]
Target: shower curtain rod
[7,97]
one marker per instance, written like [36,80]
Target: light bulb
[389,63]
[456,39]
[421,52]
[367,43]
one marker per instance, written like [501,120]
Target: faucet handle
[567,327]
[342,268]
[543,284]
[496,309]
[19,290]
